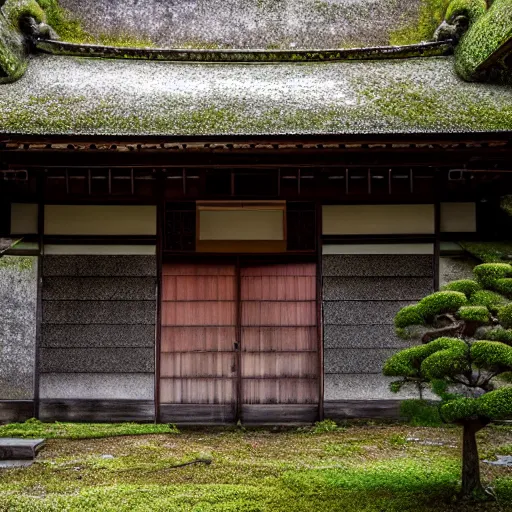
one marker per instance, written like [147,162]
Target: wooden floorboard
[97,411]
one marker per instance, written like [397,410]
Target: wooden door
[198,373]
[279,358]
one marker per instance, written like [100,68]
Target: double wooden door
[239,341]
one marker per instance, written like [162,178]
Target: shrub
[409,315]
[465,286]
[488,273]
[474,314]
[325,426]
[441,302]
[504,286]
[505,316]
[491,300]
[441,357]
[420,413]
[499,334]
[491,354]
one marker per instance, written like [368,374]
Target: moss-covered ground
[359,467]
[490,252]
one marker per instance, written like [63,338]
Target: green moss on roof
[432,13]
[15,10]
[67,95]
[472,9]
[490,32]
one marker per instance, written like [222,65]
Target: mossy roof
[251,23]
[80,96]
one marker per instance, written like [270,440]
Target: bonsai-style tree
[466,346]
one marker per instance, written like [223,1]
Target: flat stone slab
[503,460]
[12,449]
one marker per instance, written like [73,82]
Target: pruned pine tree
[466,350]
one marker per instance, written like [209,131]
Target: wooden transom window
[246,227]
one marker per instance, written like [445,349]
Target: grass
[489,252]
[360,467]
[35,429]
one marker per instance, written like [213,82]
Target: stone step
[19,449]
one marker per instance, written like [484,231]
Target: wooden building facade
[216,280]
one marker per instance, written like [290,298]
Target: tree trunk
[471,485]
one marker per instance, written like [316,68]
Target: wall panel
[378,219]
[98,335]
[18,304]
[361,295]
[99,220]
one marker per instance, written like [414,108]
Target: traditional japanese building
[211,211]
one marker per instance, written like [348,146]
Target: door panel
[279,363]
[198,335]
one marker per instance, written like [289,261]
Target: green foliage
[409,315]
[488,252]
[485,38]
[439,358]
[392,476]
[473,9]
[491,300]
[488,273]
[495,405]
[474,314]
[431,15]
[505,316]
[441,302]
[325,426]
[35,429]
[492,355]
[504,286]
[499,334]
[465,286]
[61,20]
[420,413]
[16,10]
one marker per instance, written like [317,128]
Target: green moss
[488,273]
[441,302]
[424,107]
[484,38]
[489,252]
[491,300]
[474,314]
[19,263]
[432,13]
[13,61]
[36,429]
[472,9]
[16,10]
[465,286]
